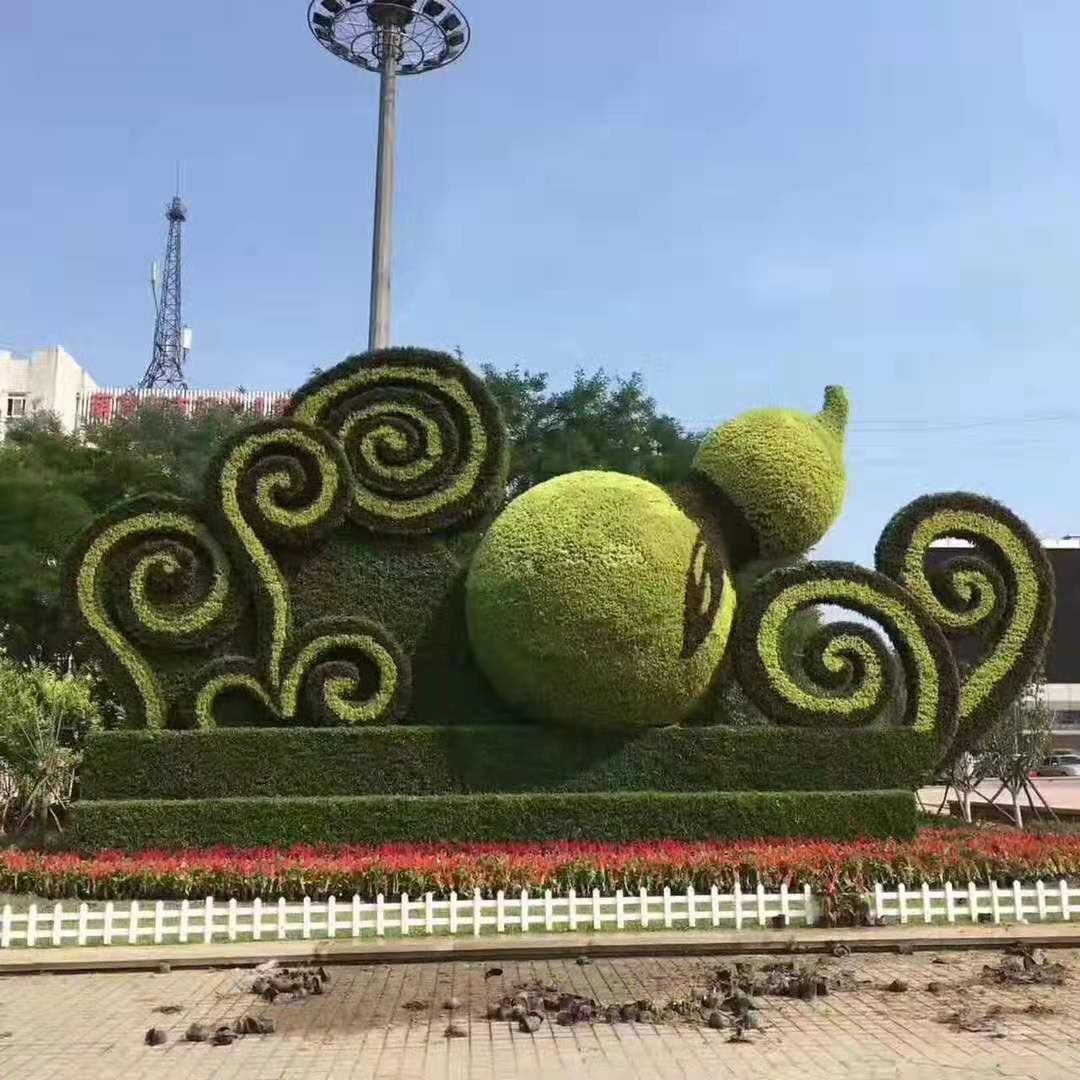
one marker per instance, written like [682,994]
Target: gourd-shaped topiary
[594,599]
[783,471]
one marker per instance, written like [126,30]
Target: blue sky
[743,200]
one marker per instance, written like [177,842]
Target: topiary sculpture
[347,567]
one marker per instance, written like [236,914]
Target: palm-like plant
[44,716]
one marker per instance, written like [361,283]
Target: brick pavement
[90,1027]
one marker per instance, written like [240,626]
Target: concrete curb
[153,958]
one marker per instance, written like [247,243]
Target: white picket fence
[214,921]
[994,903]
[211,920]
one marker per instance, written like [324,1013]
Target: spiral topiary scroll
[149,573]
[422,434]
[846,672]
[283,483]
[337,671]
[1000,590]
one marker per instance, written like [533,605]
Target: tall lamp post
[391,37]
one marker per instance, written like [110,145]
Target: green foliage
[53,484]
[403,442]
[276,483]
[1001,592]
[593,600]
[44,716]
[423,436]
[411,760]
[148,573]
[847,673]
[596,423]
[622,816]
[782,470]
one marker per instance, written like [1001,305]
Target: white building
[1062,662]
[48,380]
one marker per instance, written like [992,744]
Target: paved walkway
[387,1022]
[533,946]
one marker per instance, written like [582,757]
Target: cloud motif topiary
[847,674]
[423,435]
[1000,591]
[151,573]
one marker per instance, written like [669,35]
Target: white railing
[105,404]
[211,921]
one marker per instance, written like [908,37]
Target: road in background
[1062,793]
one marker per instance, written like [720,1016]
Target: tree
[597,423]
[1016,744]
[53,484]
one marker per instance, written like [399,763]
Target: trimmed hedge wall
[233,762]
[620,816]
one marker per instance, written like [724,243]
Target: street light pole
[394,38]
[379,320]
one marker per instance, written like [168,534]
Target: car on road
[1061,764]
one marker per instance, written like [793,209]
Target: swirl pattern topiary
[846,675]
[150,573]
[999,591]
[422,434]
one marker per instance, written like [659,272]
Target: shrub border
[137,824]
[415,760]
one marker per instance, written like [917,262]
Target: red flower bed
[841,872]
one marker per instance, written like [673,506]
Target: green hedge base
[405,760]
[132,825]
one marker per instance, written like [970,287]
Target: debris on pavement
[1023,965]
[223,1036]
[197,1033]
[168,1010]
[455,1031]
[156,1037]
[298,982]
[897,986]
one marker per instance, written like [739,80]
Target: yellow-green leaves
[783,470]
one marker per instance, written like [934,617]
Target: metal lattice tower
[391,38]
[172,341]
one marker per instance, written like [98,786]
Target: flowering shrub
[840,872]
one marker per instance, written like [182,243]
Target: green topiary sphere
[783,470]
[593,600]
